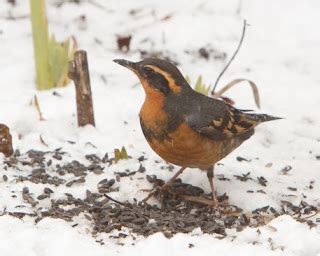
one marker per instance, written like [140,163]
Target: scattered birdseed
[262,181]
[57,156]
[178,212]
[47,190]
[43,196]
[243,177]
[268,165]
[141,158]
[105,158]
[241,159]
[93,158]
[286,169]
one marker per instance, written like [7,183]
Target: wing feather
[228,123]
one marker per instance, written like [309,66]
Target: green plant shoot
[51,57]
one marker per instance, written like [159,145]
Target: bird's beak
[128,64]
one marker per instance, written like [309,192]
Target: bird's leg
[210,176]
[172,179]
[167,184]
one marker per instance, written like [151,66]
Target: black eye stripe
[159,82]
[148,70]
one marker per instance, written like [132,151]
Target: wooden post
[79,73]
[5,141]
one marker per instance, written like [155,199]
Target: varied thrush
[184,127]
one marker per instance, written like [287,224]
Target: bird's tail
[261,118]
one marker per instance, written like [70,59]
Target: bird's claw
[152,192]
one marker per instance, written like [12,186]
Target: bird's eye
[148,70]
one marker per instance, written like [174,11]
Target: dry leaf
[237,81]
[5,141]
[124,43]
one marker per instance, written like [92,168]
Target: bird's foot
[152,193]
[156,192]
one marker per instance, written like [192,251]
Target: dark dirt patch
[177,214]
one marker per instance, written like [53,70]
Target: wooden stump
[79,73]
[5,141]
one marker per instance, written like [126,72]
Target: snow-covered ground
[280,53]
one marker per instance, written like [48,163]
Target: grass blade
[237,81]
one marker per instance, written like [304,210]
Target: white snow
[280,53]
[283,236]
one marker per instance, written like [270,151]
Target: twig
[100,6]
[18,17]
[42,141]
[233,56]
[309,216]
[114,200]
[37,105]
[196,199]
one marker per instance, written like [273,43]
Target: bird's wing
[222,121]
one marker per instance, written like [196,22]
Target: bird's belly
[185,147]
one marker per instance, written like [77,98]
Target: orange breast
[185,147]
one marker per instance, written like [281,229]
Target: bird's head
[157,76]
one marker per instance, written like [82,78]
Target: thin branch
[42,141]
[309,216]
[233,56]
[114,200]
[100,6]
[18,17]
[37,105]
[196,199]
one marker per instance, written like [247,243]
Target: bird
[185,127]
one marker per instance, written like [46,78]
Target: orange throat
[152,113]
